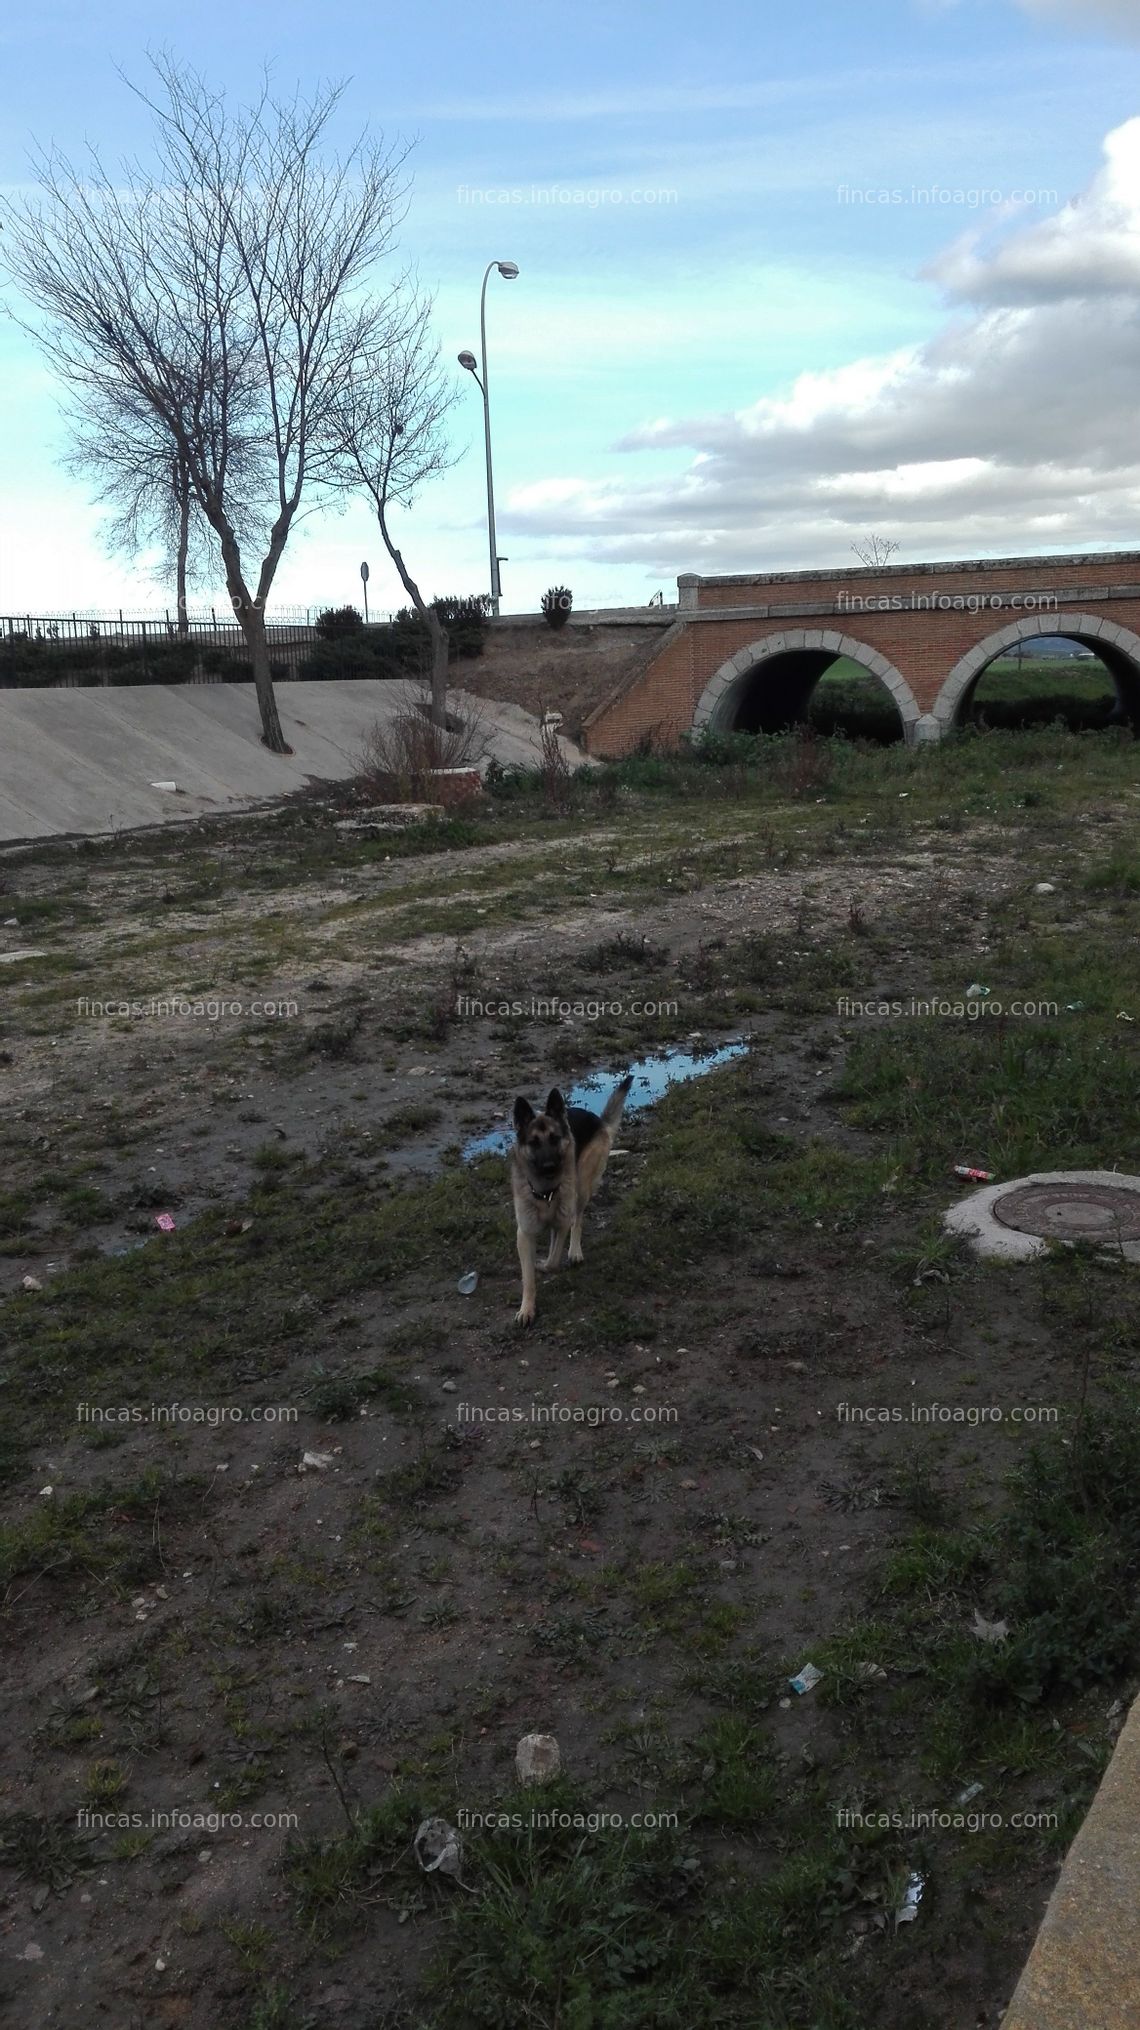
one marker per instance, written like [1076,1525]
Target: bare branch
[207,314]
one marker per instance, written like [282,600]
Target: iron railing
[80,649]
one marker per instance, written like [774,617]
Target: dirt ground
[572,671]
[626,1528]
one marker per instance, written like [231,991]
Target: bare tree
[126,451]
[224,291]
[875,550]
[391,442]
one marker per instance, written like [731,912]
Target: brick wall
[917,633]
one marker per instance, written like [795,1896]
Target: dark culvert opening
[1087,684]
[812,688]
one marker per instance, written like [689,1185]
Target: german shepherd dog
[556,1166]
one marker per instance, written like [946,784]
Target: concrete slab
[86,761]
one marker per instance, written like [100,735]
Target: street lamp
[508,270]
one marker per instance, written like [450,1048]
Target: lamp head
[507,269]
[468,360]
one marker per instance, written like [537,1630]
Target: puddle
[652,1076]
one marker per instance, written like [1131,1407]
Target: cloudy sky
[782,281]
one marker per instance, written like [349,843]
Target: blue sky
[786,275]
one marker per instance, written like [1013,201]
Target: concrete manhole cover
[1015,1222]
[1072,1212]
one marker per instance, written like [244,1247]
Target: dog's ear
[524,1114]
[555,1104]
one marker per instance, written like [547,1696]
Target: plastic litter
[439,1849]
[976,992]
[315,1462]
[164,785]
[468,1283]
[805,1679]
[974,1176]
[968,1795]
[164,1221]
[908,1908]
[988,1631]
[31,1283]
[537,1758]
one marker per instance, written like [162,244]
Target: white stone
[537,1758]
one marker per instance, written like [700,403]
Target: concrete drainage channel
[1017,1221]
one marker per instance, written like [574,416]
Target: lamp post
[508,270]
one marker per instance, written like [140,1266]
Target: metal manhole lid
[1072,1212]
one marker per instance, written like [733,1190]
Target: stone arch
[1118,647]
[727,687]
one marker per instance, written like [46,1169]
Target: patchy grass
[363,1641]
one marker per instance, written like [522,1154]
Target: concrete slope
[84,761]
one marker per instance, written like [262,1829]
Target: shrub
[395,648]
[401,752]
[357,655]
[337,621]
[556,774]
[556,604]
[466,622]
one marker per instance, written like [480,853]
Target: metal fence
[78,649]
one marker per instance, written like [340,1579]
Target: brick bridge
[746,652]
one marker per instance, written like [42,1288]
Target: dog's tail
[615,1105]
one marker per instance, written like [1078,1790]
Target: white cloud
[1118,14]
[1012,429]
[1089,249]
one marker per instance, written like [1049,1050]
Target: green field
[1009,693]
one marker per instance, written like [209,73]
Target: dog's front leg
[557,1248]
[526,1250]
[576,1254]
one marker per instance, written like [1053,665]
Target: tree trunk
[439,648]
[250,616]
[437,633]
[183,547]
[253,628]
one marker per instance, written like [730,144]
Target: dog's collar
[545,1196]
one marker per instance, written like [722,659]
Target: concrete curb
[1084,1970]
